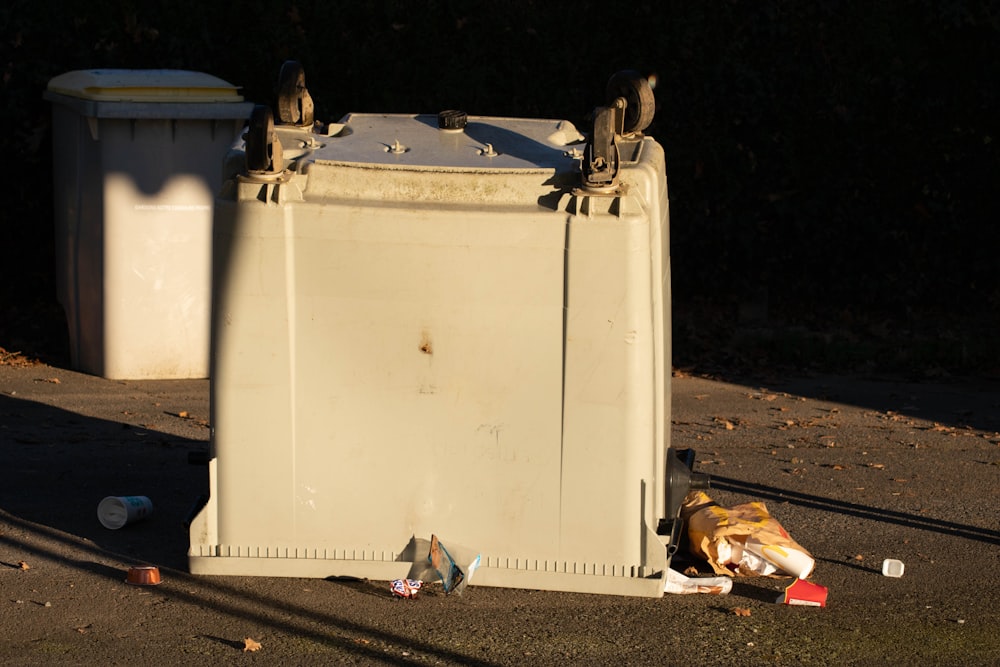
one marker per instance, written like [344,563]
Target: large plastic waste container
[137,162]
[430,326]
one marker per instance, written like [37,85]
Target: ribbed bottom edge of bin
[502,577]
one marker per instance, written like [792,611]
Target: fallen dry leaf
[859,557]
[691,571]
[8,358]
[251,645]
[741,611]
[182,414]
[725,422]
[24,566]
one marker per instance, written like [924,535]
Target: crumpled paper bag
[743,539]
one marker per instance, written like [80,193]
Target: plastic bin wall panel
[443,344]
[138,252]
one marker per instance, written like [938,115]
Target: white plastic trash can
[137,162]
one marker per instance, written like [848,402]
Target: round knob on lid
[452,120]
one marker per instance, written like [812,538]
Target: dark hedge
[833,165]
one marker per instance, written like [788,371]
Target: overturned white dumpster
[441,324]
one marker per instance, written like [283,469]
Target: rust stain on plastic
[425,343]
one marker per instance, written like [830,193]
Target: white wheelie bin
[137,163]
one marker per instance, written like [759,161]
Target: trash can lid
[144,85]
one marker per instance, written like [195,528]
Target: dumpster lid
[149,85]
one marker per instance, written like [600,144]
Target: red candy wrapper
[405,588]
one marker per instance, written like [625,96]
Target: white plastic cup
[787,559]
[892,567]
[116,511]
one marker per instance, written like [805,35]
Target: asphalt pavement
[857,470]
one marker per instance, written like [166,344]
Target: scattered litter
[743,539]
[454,565]
[892,567]
[116,511]
[453,577]
[679,584]
[405,588]
[146,575]
[804,593]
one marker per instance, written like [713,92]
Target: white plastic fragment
[892,567]
[680,584]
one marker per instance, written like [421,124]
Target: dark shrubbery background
[833,166]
